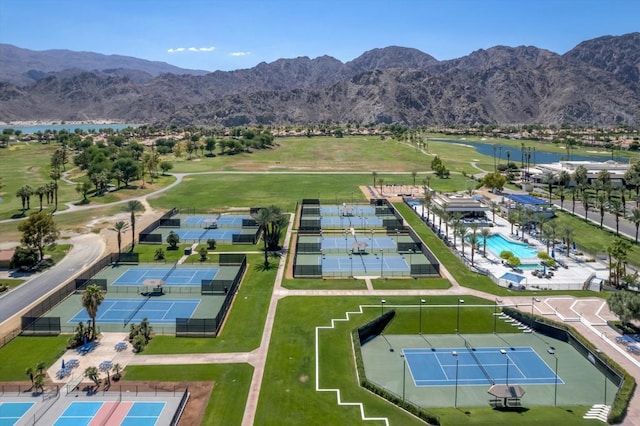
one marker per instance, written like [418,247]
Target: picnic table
[105,365]
[121,346]
[63,372]
[72,363]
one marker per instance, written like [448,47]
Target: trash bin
[187,251]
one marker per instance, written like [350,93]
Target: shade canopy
[504,391]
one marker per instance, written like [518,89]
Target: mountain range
[595,83]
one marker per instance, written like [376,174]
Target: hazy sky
[232,34]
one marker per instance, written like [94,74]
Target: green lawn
[11,282]
[324,284]
[590,238]
[231,386]
[245,321]
[411,284]
[24,352]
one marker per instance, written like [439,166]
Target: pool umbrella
[63,364]
[553,254]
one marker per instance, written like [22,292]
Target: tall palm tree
[456,223]
[375,175]
[463,233]
[92,297]
[133,207]
[495,207]
[635,218]
[272,221]
[586,199]
[40,192]
[567,232]
[55,175]
[22,192]
[549,179]
[484,233]
[473,239]
[601,204]
[120,227]
[616,209]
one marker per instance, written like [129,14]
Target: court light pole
[404,374]
[503,352]
[552,352]
[381,263]
[351,262]
[533,301]
[495,314]
[460,301]
[422,302]
[455,400]
[382,302]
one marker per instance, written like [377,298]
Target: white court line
[337,391]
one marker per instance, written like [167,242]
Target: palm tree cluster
[272,221]
[37,376]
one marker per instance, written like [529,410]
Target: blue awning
[526,199]
[510,276]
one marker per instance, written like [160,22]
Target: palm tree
[22,192]
[375,175]
[456,223]
[635,218]
[463,233]
[30,373]
[380,182]
[567,233]
[40,192]
[547,234]
[413,176]
[586,198]
[426,201]
[92,374]
[272,221]
[484,233]
[601,203]
[55,175]
[495,207]
[473,239]
[616,209]
[512,218]
[549,179]
[120,227]
[92,297]
[133,207]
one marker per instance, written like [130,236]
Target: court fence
[181,406]
[210,327]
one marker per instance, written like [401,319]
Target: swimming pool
[497,244]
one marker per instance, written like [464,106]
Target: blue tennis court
[346,222]
[340,243]
[156,311]
[520,365]
[199,234]
[85,413]
[175,277]
[198,220]
[202,221]
[358,264]
[347,209]
[12,412]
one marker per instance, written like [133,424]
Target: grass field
[24,352]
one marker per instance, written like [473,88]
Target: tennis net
[128,319]
[472,351]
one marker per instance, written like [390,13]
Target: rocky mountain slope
[596,83]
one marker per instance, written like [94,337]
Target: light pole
[533,300]
[555,388]
[381,263]
[397,237]
[503,352]
[455,400]
[495,315]
[346,247]
[404,374]
[422,302]
[351,261]
[382,302]
[460,301]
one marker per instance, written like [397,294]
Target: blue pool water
[497,244]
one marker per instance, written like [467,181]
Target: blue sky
[232,34]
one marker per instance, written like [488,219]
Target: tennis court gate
[209,327]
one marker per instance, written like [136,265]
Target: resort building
[468,207]
[616,169]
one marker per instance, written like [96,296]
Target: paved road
[86,249]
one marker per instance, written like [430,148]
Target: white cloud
[240,53]
[192,49]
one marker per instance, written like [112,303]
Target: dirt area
[200,392]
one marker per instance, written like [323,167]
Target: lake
[68,127]
[539,156]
